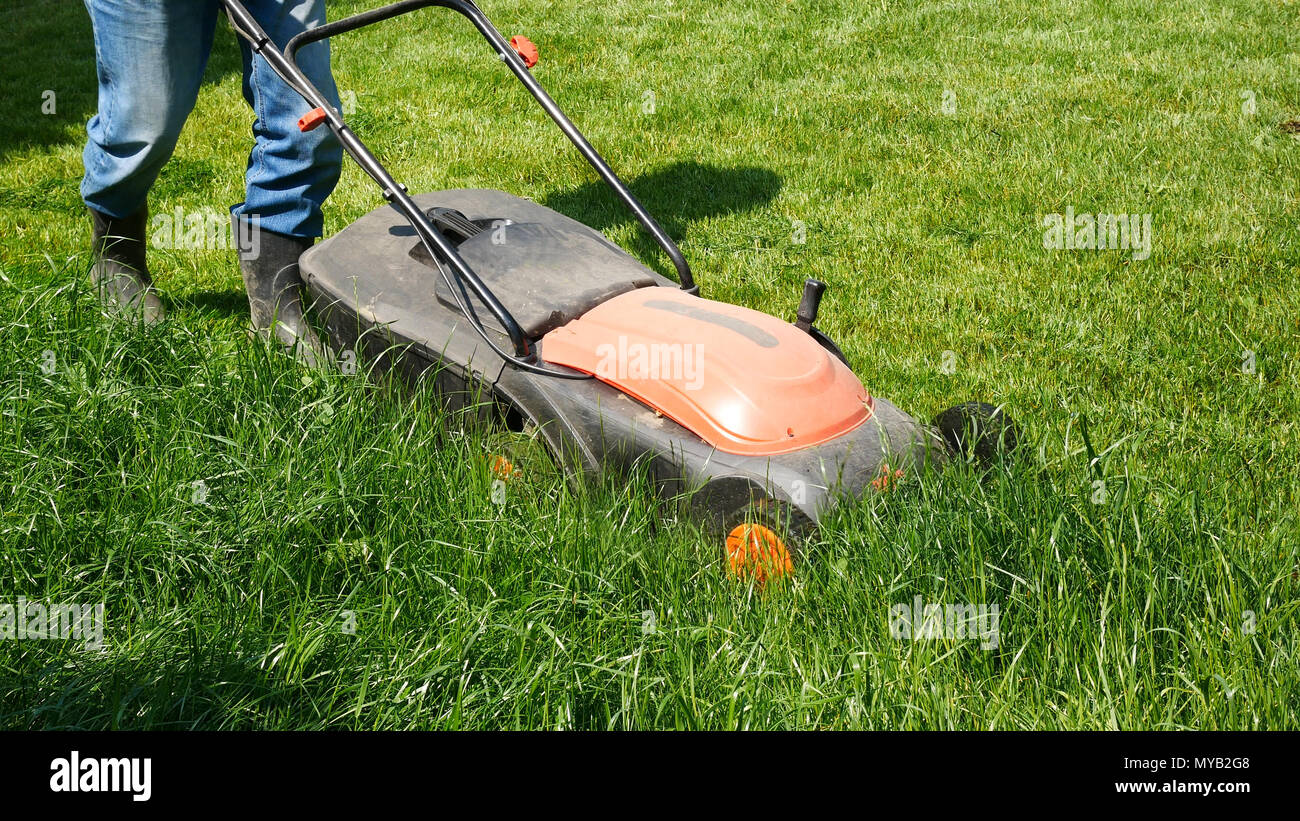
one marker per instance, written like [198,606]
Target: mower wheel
[763,540]
[978,431]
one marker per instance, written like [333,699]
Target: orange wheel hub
[504,468]
[753,549]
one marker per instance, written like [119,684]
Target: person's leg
[290,173]
[150,56]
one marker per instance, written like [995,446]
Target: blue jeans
[150,57]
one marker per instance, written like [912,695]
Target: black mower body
[382,298]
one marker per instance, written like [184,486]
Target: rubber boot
[269,264]
[119,272]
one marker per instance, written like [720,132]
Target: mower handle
[520,70]
[394,192]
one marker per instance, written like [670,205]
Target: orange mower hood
[743,381]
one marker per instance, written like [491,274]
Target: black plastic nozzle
[812,297]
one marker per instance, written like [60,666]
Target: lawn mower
[756,424]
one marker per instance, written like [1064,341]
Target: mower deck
[391,305]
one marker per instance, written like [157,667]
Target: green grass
[329,496]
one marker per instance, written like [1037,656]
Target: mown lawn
[279,549]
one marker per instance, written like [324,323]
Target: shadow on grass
[215,303]
[675,195]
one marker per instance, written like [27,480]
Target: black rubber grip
[812,297]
